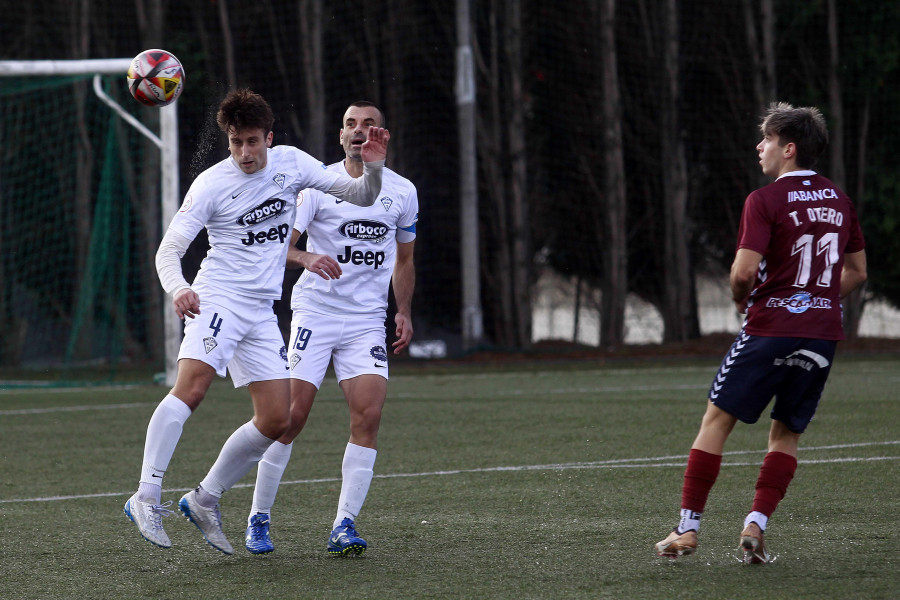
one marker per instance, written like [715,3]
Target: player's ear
[790,150]
[269,137]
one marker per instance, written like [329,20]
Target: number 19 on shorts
[301,339]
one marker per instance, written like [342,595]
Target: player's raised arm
[363,191]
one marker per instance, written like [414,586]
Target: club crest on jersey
[283,353]
[268,209]
[209,344]
[386,203]
[379,353]
[279,179]
[361,229]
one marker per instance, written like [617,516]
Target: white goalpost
[166,141]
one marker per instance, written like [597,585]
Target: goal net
[81,219]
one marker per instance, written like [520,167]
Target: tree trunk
[313,80]
[855,303]
[496,263]
[615,256]
[285,73]
[679,307]
[84,175]
[760,40]
[838,172]
[520,228]
[228,44]
[151,18]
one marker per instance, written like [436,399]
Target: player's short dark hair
[804,126]
[365,103]
[244,109]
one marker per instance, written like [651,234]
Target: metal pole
[472,325]
[169,202]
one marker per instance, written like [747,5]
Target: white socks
[689,520]
[357,470]
[268,477]
[163,434]
[241,451]
[758,518]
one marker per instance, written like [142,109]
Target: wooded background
[615,140]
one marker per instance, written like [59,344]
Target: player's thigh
[365,395]
[261,354]
[312,340]
[747,380]
[212,336]
[362,350]
[805,370]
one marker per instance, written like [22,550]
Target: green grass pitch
[540,481]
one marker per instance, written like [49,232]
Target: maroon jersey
[802,224]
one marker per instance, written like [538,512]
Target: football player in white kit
[340,303]
[247,204]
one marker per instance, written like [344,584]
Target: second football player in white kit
[353,255]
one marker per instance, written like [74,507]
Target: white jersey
[362,240]
[248,219]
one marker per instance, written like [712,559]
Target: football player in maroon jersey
[800,250]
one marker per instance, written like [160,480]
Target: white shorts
[239,333]
[356,344]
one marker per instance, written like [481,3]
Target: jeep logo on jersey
[268,209]
[364,230]
[358,257]
[280,233]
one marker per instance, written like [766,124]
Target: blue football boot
[258,540]
[344,541]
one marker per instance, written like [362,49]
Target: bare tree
[286,75]
[151,17]
[515,131]
[761,43]
[852,306]
[496,265]
[228,44]
[615,256]
[501,133]
[679,310]
[79,45]
[310,16]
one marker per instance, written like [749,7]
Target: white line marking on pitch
[54,409]
[558,391]
[621,463]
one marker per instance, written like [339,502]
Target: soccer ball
[155,77]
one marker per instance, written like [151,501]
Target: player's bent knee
[273,427]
